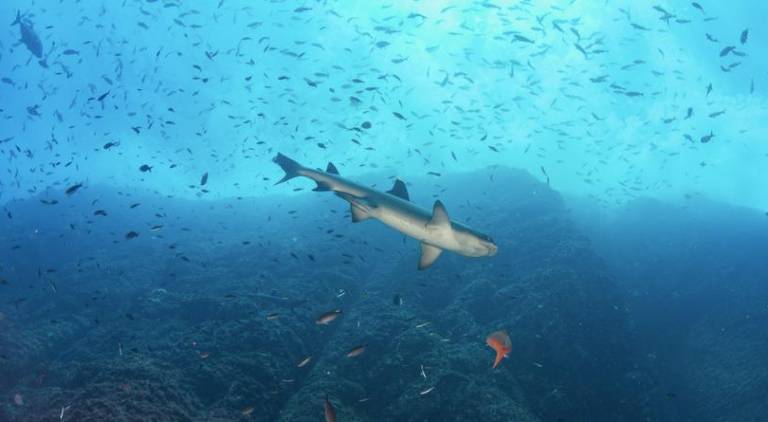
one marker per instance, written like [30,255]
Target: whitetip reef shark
[434,230]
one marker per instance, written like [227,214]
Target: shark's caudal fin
[18,18]
[429,254]
[290,167]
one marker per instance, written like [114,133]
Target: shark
[434,230]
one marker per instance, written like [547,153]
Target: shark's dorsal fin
[439,215]
[429,255]
[331,169]
[399,190]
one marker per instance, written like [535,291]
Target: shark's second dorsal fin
[399,190]
[439,215]
[331,169]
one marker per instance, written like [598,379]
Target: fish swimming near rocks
[330,412]
[501,343]
[434,230]
[28,35]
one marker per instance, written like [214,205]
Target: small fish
[18,399]
[131,235]
[304,362]
[145,168]
[109,145]
[328,317]
[744,36]
[204,179]
[724,52]
[204,355]
[330,412]
[706,138]
[63,409]
[247,411]
[356,351]
[500,342]
[427,391]
[422,325]
[397,300]
[74,188]
[273,316]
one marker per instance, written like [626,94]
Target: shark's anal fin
[331,169]
[399,190]
[358,214]
[439,215]
[429,255]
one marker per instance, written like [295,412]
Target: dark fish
[744,36]
[100,212]
[109,145]
[131,235]
[145,168]
[397,300]
[204,179]
[72,189]
[706,138]
[366,125]
[724,52]
[28,36]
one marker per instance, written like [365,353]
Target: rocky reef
[210,317]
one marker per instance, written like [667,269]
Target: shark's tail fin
[290,167]
[18,18]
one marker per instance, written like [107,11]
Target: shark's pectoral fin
[429,254]
[358,213]
[439,216]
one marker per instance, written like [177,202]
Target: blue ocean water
[571,198]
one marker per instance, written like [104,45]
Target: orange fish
[356,351]
[500,342]
[330,412]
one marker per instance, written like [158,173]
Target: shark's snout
[492,249]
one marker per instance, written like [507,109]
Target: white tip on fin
[439,215]
[429,255]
